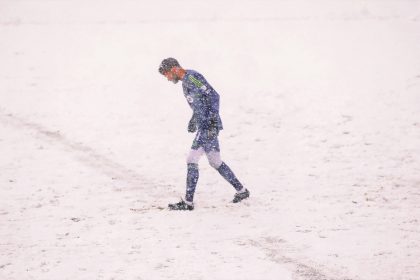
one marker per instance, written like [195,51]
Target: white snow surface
[321,106]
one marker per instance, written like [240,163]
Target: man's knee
[214,159]
[215,164]
[194,156]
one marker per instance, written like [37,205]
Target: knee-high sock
[227,173]
[192,179]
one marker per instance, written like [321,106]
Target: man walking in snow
[206,122]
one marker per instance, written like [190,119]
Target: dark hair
[167,65]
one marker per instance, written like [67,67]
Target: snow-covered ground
[321,106]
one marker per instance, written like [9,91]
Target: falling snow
[320,107]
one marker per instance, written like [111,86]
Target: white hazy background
[321,106]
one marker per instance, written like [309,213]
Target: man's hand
[192,125]
[213,130]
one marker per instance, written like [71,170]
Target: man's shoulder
[190,74]
[194,78]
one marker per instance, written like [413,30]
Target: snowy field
[321,106]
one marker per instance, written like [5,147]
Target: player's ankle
[190,203]
[242,190]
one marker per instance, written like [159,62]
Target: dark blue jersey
[203,100]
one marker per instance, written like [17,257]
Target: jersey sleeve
[199,84]
[211,100]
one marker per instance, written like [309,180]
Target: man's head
[170,68]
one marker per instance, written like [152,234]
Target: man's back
[203,100]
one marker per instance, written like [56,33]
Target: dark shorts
[208,142]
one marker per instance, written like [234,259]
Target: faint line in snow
[18,22]
[84,153]
[275,249]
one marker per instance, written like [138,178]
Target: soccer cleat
[182,205]
[240,196]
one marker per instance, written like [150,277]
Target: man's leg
[192,173]
[192,179]
[224,170]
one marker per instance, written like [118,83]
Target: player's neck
[180,72]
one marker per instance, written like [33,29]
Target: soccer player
[206,122]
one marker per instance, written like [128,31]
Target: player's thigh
[194,155]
